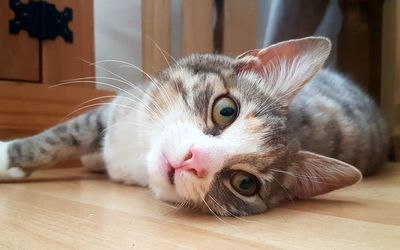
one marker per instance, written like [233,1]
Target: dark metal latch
[41,20]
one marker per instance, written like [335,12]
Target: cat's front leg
[7,171]
[80,135]
[94,162]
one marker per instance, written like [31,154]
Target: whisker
[116,75]
[94,105]
[237,217]
[109,71]
[99,98]
[144,128]
[162,50]
[305,177]
[164,92]
[283,188]
[137,100]
[157,84]
[93,82]
[100,77]
[110,96]
[216,216]
[132,85]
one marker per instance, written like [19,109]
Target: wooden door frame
[390,78]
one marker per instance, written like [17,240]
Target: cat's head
[220,139]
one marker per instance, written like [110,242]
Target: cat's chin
[159,181]
[165,193]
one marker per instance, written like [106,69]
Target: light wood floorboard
[73,209]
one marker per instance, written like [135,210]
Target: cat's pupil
[224,111]
[227,111]
[246,183]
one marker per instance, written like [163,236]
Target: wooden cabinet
[29,70]
[19,55]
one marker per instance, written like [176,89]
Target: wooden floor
[70,208]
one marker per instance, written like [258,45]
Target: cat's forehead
[206,75]
[204,66]
[207,63]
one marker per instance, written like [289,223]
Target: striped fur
[76,137]
[297,131]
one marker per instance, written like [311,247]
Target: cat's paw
[7,172]
[94,162]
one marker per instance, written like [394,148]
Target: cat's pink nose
[195,161]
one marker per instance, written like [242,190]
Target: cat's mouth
[171,176]
[169,170]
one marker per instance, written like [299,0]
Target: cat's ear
[312,174]
[287,66]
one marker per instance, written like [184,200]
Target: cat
[235,136]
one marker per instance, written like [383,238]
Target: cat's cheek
[190,187]
[164,192]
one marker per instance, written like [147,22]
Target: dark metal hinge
[41,20]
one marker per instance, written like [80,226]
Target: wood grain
[71,208]
[19,54]
[197,26]
[61,60]
[390,79]
[28,108]
[155,35]
[240,26]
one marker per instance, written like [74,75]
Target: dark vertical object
[375,12]
[219,25]
[290,19]
[359,43]
[296,19]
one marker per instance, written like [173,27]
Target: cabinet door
[63,61]
[19,54]
[29,101]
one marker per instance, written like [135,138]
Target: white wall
[118,37]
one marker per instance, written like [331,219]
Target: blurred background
[44,49]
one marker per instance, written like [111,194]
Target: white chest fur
[126,145]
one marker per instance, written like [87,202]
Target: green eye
[244,183]
[224,111]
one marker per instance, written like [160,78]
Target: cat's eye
[244,183]
[224,111]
